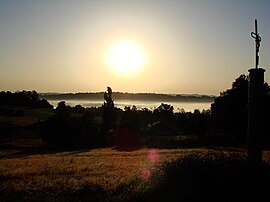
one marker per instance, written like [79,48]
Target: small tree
[164,113]
[62,109]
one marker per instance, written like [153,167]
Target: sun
[125,58]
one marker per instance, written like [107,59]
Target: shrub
[211,177]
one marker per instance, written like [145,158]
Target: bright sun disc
[125,57]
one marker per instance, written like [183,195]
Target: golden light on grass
[103,173]
[105,167]
[125,58]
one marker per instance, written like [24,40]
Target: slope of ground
[104,174]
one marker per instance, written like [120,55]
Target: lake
[151,105]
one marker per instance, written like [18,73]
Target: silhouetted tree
[22,98]
[79,109]
[198,123]
[230,111]
[184,121]
[130,118]
[108,111]
[62,109]
[164,113]
[34,96]
[201,122]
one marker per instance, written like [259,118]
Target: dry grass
[107,168]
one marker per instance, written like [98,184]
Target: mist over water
[151,105]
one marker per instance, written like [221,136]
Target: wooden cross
[257,40]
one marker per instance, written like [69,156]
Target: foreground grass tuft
[209,176]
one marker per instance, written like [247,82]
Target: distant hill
[129,96]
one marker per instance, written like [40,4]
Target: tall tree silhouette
[108,111]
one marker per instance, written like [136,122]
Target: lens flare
[145,174]
[153,155]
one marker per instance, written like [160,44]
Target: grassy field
[104,174]
[105,167]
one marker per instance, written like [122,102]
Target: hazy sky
[192,46]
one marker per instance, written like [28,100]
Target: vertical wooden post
[255,113]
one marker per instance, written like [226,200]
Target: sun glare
[125,58]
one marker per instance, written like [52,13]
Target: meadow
[106,174]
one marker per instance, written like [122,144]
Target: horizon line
[171,94]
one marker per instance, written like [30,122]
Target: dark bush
[209,177]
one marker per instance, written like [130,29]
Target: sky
[188,46]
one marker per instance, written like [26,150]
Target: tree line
[11,104]
[225,123]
